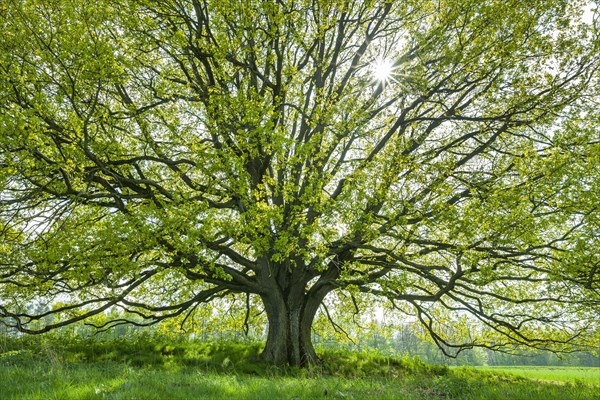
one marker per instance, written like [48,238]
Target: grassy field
[143,369]
[588,375]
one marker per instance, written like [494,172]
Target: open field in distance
[589,375]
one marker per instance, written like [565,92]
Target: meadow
[144,368]
[575,375]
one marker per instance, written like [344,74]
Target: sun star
[382,69]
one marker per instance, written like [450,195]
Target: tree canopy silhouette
[442,156]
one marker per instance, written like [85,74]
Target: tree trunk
[291,310]
[289,337]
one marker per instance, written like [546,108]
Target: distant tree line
[406,341]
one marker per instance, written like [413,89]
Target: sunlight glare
[382,69]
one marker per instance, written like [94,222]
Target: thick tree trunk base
[278,354]
[289,336]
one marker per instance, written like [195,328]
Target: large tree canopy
[443,156]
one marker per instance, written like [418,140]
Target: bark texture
[291,309]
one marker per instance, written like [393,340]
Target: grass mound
[159,368]
[145,352]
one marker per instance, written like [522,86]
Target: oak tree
[440,155]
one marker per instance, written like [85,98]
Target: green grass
[154,369]
[588,375]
